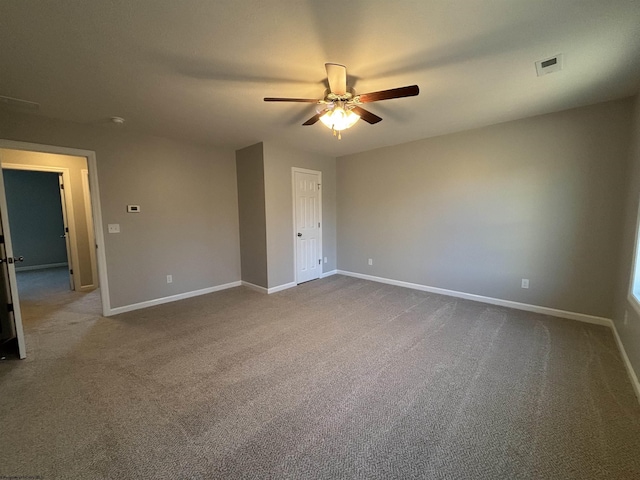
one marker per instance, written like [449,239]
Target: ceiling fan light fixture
[339,119]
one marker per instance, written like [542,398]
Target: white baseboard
[279,288]
[87,288]
[329,273]
[260,289]
[284,286]
[627,363]
[582,317]
[172,298]
[294,284]
[255,287]
[41,267]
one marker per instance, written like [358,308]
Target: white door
[10,317]
[65,234]
[307,226]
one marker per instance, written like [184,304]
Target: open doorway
[50,201]
[40,231]
[52,249]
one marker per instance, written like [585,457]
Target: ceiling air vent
[549,65]
[18,103]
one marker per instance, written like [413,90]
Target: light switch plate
[114,228]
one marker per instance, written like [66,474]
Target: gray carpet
[337,378]
[44,293]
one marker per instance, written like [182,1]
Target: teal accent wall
[35,217]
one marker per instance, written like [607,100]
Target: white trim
[268,291]
[295,170]
[627,363]
[172,298]
[95,204]
[328,274]
[86,194]
[41,267]
[279,288]
[254,287]
[631,300]
[582,317]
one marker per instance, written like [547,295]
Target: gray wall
[188,225]
[251,211]
[278,161]
[629,330]
[83,273]
[477,211]
[35,217]
[266,211]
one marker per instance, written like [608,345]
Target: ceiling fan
[340,108]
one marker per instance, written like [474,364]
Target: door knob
[18,259]
[299,234]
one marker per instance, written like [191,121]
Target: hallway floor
[48,304]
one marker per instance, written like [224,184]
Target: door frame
[12,287]
[96,208]
[294,230]
[86,192]
[70,214]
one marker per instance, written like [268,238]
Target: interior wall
[83,271]
[477,211]
[251,212]
[188,224]
[626,319]
[35,217]
[278,161]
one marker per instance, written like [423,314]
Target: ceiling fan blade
[313,119]
[316,117]
[366,115]
[410,91]
[337,77]
[303,100]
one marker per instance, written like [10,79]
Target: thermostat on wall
[133,208]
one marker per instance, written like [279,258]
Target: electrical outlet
[325,260]
[169,278]
[525,283]
[371,261]
[113,228]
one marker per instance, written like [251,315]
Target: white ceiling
[199,69]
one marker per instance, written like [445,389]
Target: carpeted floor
[43,293]
[336,378]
